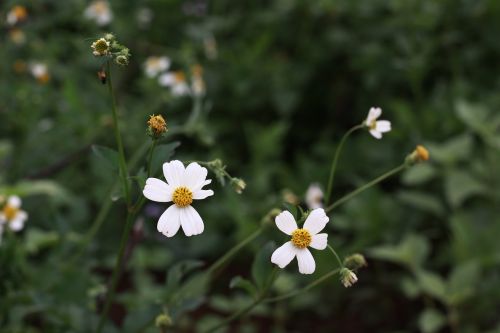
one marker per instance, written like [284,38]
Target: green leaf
[411,251]
[462,282]
[432,284]
[106,156]
[37,240]
[419,174]
[431,321]
[36,187]
[248,286]
[177,272]
[162,154]
[460,185]
[452,151]
[422,200]
[262,266]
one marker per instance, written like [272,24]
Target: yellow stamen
[422,153]
[182,196]
[10,212]
[301,238]
[157,124]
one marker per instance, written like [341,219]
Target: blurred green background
[285,79]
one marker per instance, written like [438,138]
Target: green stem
[335,160]
[121,152]
[366,186]
[303,290]
[216,265]
[341,265]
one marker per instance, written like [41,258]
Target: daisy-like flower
[307,236]
[155,65]
[40,72]
[16,14]
[11,216]
[100,12]
[182,187]
[377,127]
[176,81]
[314,196]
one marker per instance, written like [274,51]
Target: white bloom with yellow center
[155,65]
[182,187]
[314,196]
[307,236]
[377,127]
[100,12]
[176,81]
[11,215]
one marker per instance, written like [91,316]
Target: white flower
[40,72]
[377,127]
[314,196]
[16,14]
[347,277]
[100,12]
[176,81]
[155,65]
[301,239]
[182,186]
[11,216]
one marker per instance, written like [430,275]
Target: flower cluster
[108,46]
[11,215]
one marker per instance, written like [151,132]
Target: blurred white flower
[11,215]
[40,71]
[314,196]
[16,14]
[377,127]
[301,239]
[176,81]
[347,277]
[182,186]
[156,65]
[100,12]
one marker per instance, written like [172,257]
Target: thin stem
[341,265]
[121,152]
[335,160]
[366,186]
[216,265]
[303,290]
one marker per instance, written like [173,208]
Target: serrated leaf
[239,282]
[262,266]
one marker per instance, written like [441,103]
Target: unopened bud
[157,126]
[355,261]
[347,277]
[420,154]
[238,185]
[163,321]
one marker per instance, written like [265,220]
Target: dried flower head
[238,184]
[157,126]
[347,277]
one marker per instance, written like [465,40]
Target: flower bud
[355,261]
[347,277]
[157,126]
[238,185]
[163,321]
[121,60]
[270,216]
[420,154]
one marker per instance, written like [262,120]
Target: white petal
[319,241]
[157,190]
[191,221]
[195,176]
[373,114]
[383,126]
[202,194]
[166,80]
[284,254]
[14,201]
[18,222]
[307,265]
[286,222]
[376,134]
[170,221]
[174,173]
[316,221]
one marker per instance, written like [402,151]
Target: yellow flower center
[179,76]
[20,12]
[10,212]
[182,196]
[373,124]
[101,46]
[157,124]
[301,238]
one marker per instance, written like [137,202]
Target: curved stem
[341,265]
[121,152]
[366,186]
[222,260]
[303,290]
[335,160]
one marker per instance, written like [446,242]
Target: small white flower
[100,12]
[155,65]
[40,71]
[314,196]
[301,239]
[11,216]
[16,14]
[176,81]
[377,127]
[347,277]
[182,186]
